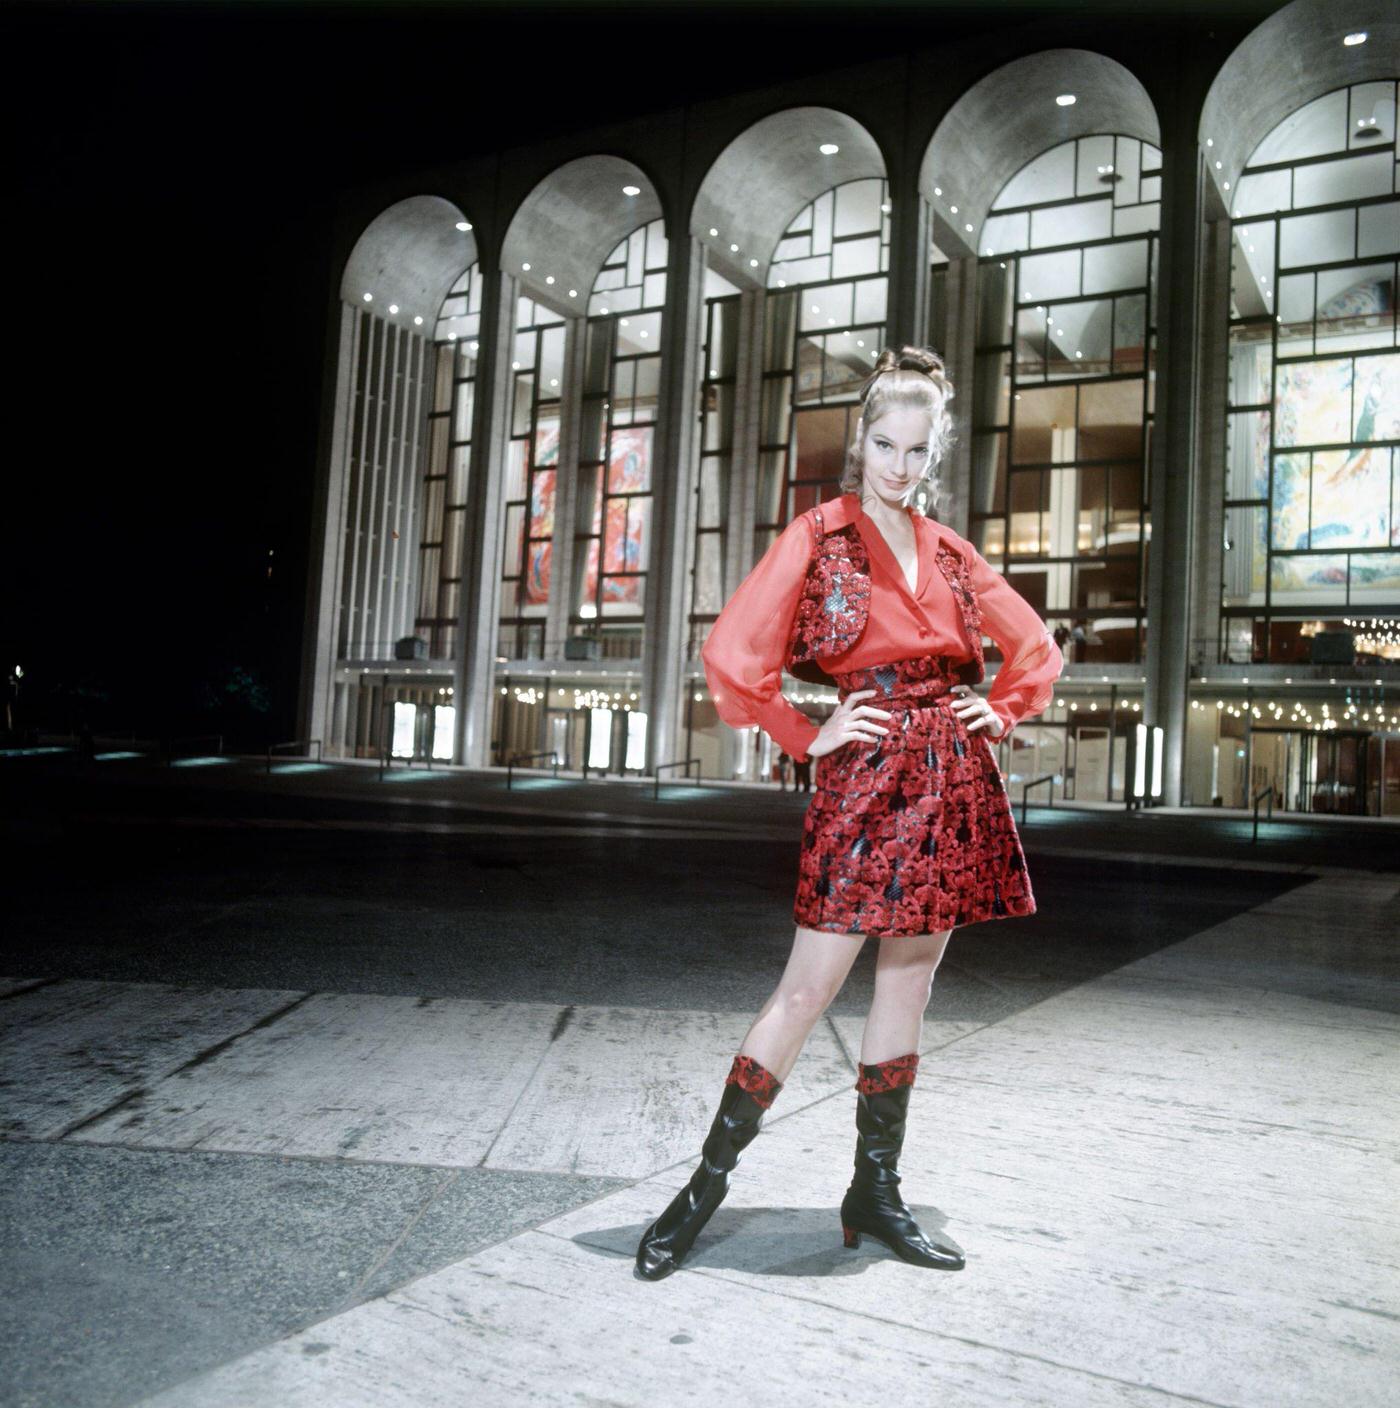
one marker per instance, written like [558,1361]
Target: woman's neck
[897,519]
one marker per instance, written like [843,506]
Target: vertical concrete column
[743,474]
[320,639]
[1213,356]
[673,498]
[474,673]
[562,548]
[956,342]
[911,232]
[1171,561]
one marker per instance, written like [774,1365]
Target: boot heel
[850,1235]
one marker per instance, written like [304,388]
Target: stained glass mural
[541,526]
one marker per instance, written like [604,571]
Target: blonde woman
[909,833]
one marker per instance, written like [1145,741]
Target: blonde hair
[913,377]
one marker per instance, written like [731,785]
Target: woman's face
[896,454]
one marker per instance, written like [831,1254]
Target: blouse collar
[875,542]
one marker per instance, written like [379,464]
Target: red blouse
[746,649]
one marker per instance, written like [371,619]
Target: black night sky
[172,174]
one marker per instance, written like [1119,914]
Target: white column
[673,500]
[474,680]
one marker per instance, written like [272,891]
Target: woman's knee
[805,1000]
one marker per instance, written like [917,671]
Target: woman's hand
[975,712]
[852,721]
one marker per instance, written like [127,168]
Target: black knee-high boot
[873,1204]
[749,1089]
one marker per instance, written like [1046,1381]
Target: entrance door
[1336,781]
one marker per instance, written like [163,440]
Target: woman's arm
[1031,661]
[745,651]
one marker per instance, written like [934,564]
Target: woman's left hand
[975,712]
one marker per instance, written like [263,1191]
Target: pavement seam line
[198,1059]
[353,1296]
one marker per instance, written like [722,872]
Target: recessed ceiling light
[753,263]
[573,293]
[369,298]
[938,190]
[515,366]
[525,266]
[733,249]
[631,190]
[549,278]
[1358,38]
[828,149]
[1066,100]
[418,320]
[464,225]
[968,228]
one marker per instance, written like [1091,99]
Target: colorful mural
[540,527]
[1342,497]
[624,532]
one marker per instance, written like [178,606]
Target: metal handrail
[529,757]
[678,763]
[1270,792]
[168,745]
[1048,777]
[294,743]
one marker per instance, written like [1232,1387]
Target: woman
[909,832]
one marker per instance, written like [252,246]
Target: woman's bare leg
[816,969]
[904,969]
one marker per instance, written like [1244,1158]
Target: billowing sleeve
[744,653]
[1031,661]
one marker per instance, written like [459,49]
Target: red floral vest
[835,604]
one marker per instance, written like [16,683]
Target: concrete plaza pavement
[310,1101]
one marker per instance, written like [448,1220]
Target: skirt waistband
[912,683]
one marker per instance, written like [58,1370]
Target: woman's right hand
[852,722]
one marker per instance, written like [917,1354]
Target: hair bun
[906,359]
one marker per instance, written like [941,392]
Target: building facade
[575,390]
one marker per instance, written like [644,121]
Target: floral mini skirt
[912,834]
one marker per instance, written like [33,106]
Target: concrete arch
[1287,60]
[569,224]
[1009,117]
[410,255]
[764,177]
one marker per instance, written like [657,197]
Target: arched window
[1312,489]
[445,468]
[1062,394]
[618,408]
[823,330]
